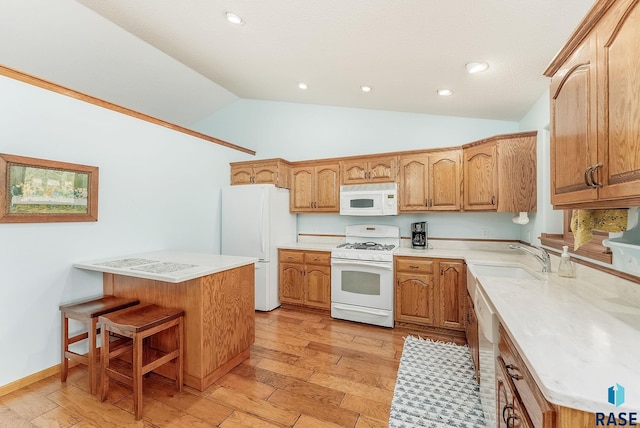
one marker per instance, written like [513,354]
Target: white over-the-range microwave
[369,199]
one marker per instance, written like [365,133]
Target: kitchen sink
[503,271]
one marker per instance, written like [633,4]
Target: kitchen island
[215,291]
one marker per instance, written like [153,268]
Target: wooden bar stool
[87,312]
[137,323]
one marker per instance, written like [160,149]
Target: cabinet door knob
[493,200]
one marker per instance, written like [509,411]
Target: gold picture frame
[42,191]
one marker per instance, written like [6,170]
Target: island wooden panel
[219,317]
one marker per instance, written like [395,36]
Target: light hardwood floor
[305,370]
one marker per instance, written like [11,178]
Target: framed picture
[41,191]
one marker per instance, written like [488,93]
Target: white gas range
[362,274]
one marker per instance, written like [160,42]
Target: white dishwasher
[488,350]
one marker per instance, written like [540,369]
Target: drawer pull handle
[595,184]
[587,176]
[414,267]
[514,376]
[512,421]
[507,408]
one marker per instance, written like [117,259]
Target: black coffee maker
[419,235]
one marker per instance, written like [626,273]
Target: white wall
[306,131]
[301,131]
[158,189]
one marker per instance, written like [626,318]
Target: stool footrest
[139,324]
[87,312]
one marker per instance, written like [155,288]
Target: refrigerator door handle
[263,241]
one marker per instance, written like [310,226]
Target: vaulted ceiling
[182,60]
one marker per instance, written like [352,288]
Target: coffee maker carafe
[419,235]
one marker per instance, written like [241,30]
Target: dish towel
[584,222]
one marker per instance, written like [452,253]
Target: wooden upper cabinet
[430,181]
[573,127]
[241,174]
[619,147]
[445,181]
[302,188]
[413,188]
[500,173]
[268,171]
[480,177]
[315,188]
[380,169]
[595,138]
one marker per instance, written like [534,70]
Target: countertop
[576,340]
[578,336]
[167,266]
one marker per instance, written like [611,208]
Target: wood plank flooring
[305,370]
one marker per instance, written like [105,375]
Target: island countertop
[168,266]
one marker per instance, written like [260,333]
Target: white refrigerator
[255,220]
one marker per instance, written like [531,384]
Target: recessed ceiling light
[476,67]
[366,88]
[233,18]
[445,92]
[302,85]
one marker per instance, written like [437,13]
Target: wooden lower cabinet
[428,292]
[471,330]
[520,402]
[305,278]
[511,412]
[529,406]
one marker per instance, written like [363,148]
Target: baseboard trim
[32,378]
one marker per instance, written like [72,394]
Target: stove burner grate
[366,246]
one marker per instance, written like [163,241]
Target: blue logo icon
[616,395]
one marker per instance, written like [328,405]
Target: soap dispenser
[566,268]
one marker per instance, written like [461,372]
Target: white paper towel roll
[521,218]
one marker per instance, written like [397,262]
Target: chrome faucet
[543,257]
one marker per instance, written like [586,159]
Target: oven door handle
[364,263]
[360,309]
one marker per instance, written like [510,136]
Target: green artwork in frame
[38,190]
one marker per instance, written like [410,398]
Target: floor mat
[435,387]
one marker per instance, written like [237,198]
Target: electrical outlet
[485,232]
